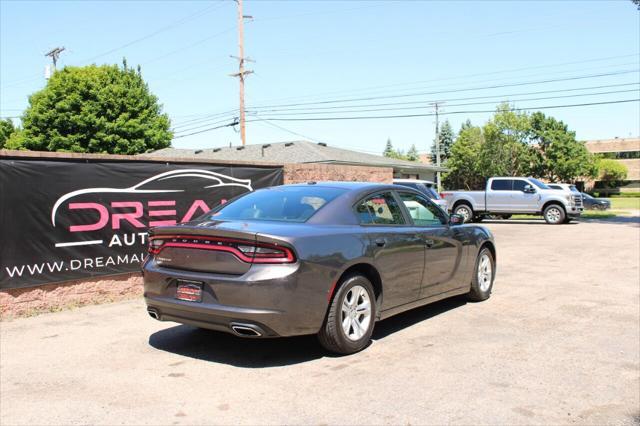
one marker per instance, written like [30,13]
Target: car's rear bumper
[267,301]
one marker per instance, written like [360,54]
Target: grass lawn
[598,214]
[625,203]
[619,207]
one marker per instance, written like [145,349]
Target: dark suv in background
[427,187]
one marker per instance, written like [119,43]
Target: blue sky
[405,53]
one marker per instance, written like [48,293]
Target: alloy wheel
[356,313]
[485,272]
[465,212]
[554,215]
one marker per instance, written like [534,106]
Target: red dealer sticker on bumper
[189,291]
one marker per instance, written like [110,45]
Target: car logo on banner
[73,219]
[163,183]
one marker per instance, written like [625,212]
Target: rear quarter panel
[324,253]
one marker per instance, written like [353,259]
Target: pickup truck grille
[577,200]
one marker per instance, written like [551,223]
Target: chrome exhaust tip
[153,313]
[245,330]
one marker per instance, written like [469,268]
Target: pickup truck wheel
[554,214]
[352,313]
[465,211]
[483,276]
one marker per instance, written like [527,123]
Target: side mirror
[456,219]
[528,189]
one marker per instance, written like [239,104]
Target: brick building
[304,153]
[623,150]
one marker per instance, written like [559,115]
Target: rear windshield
[283,204]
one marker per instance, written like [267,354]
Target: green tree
[447,138]
[465,169]
[561,158]
[612,172]
[388,149]
[506,151]
[515,143]
[412,154]
[393,153]
[99,109]
[6,129]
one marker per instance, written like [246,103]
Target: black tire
[332,336]
[464,210]
[480,290]
[554,214]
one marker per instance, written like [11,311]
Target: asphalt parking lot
[558,343]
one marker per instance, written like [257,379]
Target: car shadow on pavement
[615,220]
[224,348]
[414,316]
[619,220]
[523,222]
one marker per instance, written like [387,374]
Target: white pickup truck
[505,196]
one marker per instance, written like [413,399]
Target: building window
[621,155]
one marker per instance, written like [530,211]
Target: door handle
[380,242]
[429,243]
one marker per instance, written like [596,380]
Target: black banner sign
[66,220]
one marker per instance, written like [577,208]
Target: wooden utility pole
[55,54]
[241,71]
[436,105]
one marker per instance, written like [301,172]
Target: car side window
[422,211]
[380,209]
[501,185]
[518,185]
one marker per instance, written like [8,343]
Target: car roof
[355,188]
[413,181]
[345,185]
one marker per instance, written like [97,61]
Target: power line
[426,104]
[270,119]
[235,123]
[430,105]
[445,113]
[422,102]
[287,130]
[214,118]
[208,117]
[497,86]
[145,37]
[158,31]
[226,119]
[372,88]
[189,46]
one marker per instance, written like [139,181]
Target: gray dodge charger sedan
[320,258]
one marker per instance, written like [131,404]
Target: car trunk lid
[213,246]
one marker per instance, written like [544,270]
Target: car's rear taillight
[245,250]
